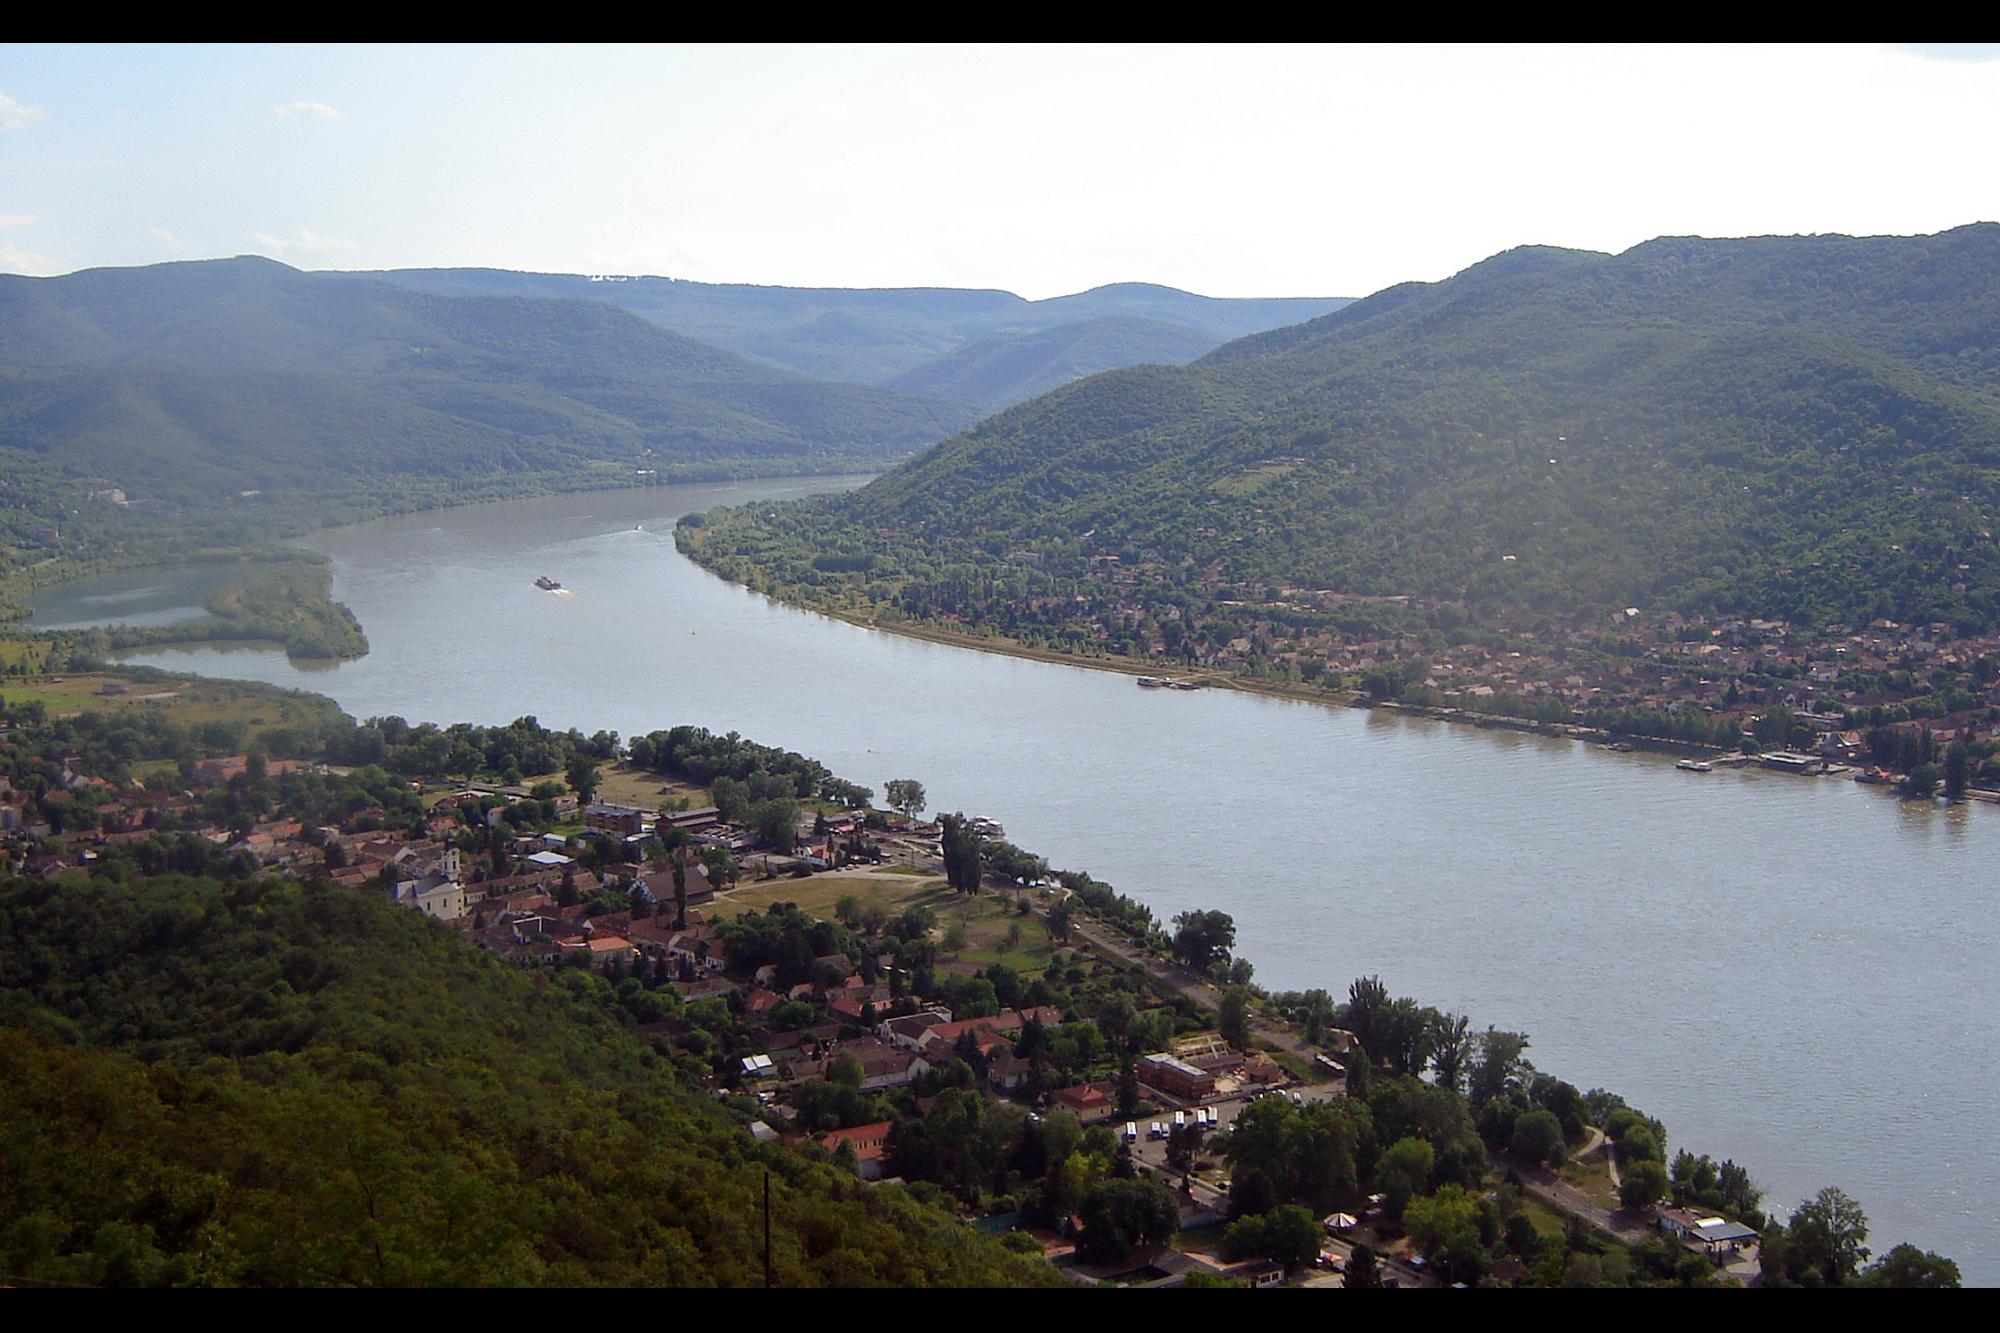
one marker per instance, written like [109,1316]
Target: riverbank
[282,599]
[1210,678]
[305,621]
[1541,872]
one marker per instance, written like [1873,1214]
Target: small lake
[173,595]
[1794,972]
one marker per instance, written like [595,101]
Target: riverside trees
[904,795]
[1203,939]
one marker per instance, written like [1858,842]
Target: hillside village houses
[854,1020]
[537,910]
[1726,668]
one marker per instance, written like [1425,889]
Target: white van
[1131,1132]
[1180,1119]
[1157,1132]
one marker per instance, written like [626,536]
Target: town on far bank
[1910,703]
[912,996]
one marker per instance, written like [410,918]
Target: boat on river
[1695,766]
[547,584]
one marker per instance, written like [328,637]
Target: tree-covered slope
[274,1084]
[186,380]
[1807,427]
[898,336]
[1001,369]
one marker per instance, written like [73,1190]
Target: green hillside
[1806,427]
[184,383]
[272,1084]
[960,341]
[1001,369]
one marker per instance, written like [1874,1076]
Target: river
[1794,972]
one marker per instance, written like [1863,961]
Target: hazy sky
[1234,171]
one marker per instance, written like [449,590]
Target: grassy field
[987,921]
[621,784]
[818,894]
[187,701]
[1593,1177]
[1548,1222]
[21,652]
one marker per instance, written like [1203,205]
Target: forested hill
[1806,427]
[987,348]
[1003,368]
[184,382]
[272,1084]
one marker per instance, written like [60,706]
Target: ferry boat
[1153,683]
[1696,766]
[547,584]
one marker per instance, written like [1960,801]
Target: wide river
[1794,972]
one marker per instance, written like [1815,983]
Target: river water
[1794,972]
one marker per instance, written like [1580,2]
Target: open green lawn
[1548,1222]
[621,784]
[1593,1177]
[987,919]
[816,895]
[187,700]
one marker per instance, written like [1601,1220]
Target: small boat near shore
[1695,766]
[547,584]
[1153,683]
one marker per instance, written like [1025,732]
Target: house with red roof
[870,1144]
[1086,1101]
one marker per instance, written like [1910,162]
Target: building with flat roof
[1174,1076]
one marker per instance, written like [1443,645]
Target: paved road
[1544,1185]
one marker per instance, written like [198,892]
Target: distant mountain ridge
[1797,426]
[991,348]
[185,380]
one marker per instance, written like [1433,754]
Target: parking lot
[1153,1152]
